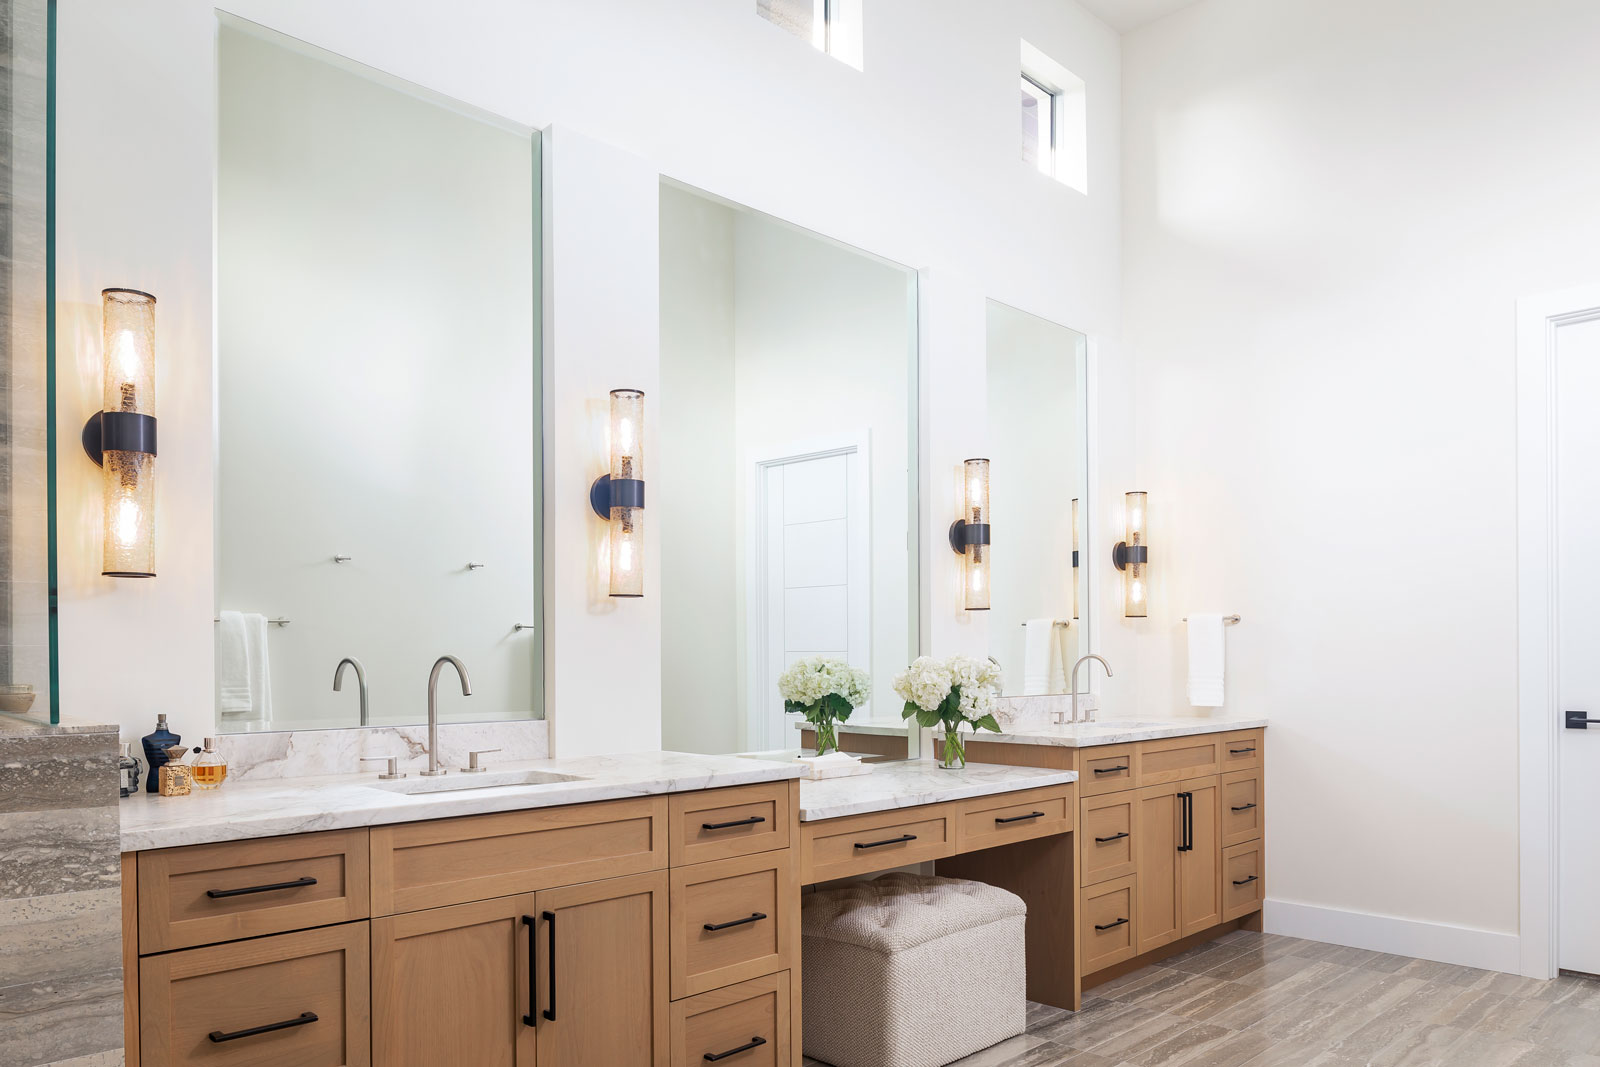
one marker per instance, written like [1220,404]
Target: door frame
[1539,322]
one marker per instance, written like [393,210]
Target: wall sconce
[1132,557]
[1076,574]
[121,437]
[969,535]
[618,497]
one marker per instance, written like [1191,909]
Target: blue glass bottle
[155,751]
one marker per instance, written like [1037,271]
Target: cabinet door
[602,950]
[1199,880]
[451,985]
[1157,834]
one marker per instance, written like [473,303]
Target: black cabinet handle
[298,883]
[1579,720]
[1110,770]
[1020,818]
[1186,806]
[1110,926]
[1244,807]
[300,1020]
[902,839]
[751,821]
[1245,881]
[754,1042]
[532,1018]
[1241,751]
[550,1012]
[1113,837]
[754,918]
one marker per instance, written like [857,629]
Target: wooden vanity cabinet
[1177,857]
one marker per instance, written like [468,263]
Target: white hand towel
[1207,660]
[244,676]
[1038,649]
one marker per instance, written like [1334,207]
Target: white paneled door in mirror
[1038,478]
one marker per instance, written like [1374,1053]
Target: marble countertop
[909,783]
[1079,735]
[249,809]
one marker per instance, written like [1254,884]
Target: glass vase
[827,738]
[955,753]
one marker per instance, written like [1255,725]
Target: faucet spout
[361,682]
[434,770]
[1075,694]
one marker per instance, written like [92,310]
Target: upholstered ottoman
[911,971]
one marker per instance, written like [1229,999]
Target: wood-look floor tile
[1098,1021]
[1137,1041]
[1218,999]
[1421,1046]
[1204,1045]
[1564,1027]
[1025,1050]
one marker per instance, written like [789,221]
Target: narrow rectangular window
[1054,112]
[832,26]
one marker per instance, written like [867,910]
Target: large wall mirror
[787,471]
[378,395]
[1038,447]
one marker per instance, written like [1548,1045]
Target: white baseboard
[1460,945]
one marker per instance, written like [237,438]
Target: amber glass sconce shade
[121,437]
[1132,557]
[618,497]
[969,535]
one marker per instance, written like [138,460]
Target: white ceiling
[1125,15]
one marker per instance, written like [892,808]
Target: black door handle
[1110,770]
[1113,837]
[754,1042]
[550,1012]
[754,918]
[532,1018]
[1020,818]
[1245,881]
[1579,720]
[751,821]
[299,1020]
[298,883]
[1186,814]
[902,839]
[1244,807]
[1110,926]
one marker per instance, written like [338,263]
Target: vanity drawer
[732,920]
[1176,759]
[1106,838]
[202,894]
[223,1005]
[477,857]
[1242,751]
[861,844]
[1106,769]
[1109,914]
[718,1022]
[1006,817]
[1242,807]
[1244,875]
[715,824]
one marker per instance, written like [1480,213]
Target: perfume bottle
[128,771]
[209,768]
[177,777]
[155,751]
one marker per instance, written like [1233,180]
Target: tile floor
[1260,1000]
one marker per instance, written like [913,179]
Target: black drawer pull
[1113,837]
[1110,926]
[1244,807]
[754,918]
[1020,818]
[298,883]
[532,1018]
[1241,751]
[1245,881]
[1110,770]
[751,821]
[299,1020]
[755,1042]
[902,839]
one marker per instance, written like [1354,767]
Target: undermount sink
[1124,724]
[457,782]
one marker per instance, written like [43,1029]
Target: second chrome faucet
[434,770]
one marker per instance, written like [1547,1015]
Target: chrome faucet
[1075,693]
[434,770]
[361,680]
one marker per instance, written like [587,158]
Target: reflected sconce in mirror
[1076,573]
[1132,557]
[618,497]
[969,535]
[121,437]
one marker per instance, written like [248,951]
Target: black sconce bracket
[118,431]
[1074,559]
[608,492]
[964,533]
[1124,554]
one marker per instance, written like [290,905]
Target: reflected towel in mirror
[1207,660]
[1042,667]
[244,676]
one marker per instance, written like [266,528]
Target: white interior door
[1578,643]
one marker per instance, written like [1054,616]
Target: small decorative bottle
[128,771]
[155,751]
[209,768]
[177,777]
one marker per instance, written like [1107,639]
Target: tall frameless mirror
[1038,478]
[787,471]
[378,394]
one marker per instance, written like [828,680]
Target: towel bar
[1230,619]
[274,622]
[1062,623]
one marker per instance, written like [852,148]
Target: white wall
[915,158]
[1330,210]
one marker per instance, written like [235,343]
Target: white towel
[1038,655]
[244,675]
[1207,660]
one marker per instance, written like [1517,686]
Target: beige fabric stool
[911,971]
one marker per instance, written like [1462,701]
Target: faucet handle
[394,770]
[472,760]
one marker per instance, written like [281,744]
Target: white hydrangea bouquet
[952,691]
[825,691]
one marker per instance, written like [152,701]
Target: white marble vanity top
[1078,735]
[240,810]
[908,783]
